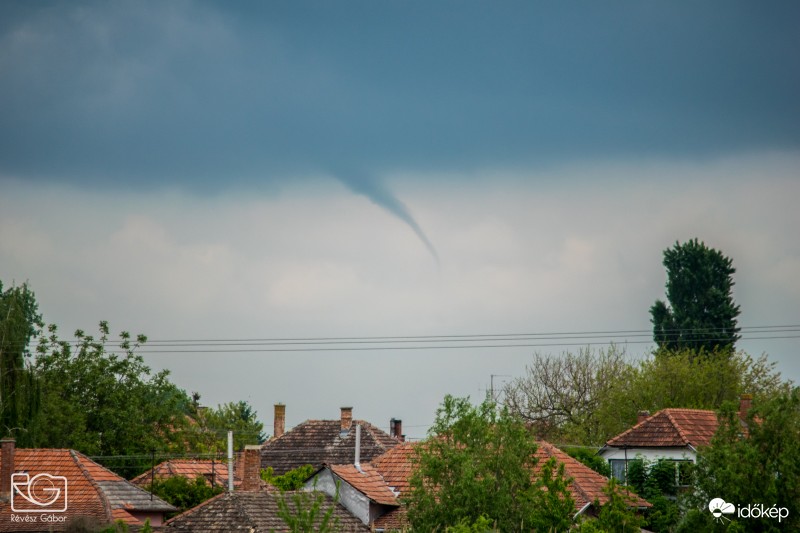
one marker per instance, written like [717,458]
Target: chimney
[251,468]
[357,461]
[280,420]
[641,416]
[745,402]
[396,429]
[347,418]
[6,468]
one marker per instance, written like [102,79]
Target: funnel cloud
[381,196]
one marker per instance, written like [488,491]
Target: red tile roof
[396,466]
[368,481]
[318,442]
[670,428]
[91,490]
[587,485]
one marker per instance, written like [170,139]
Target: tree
[755,464]
[589,397]
[182,492]
[615,516]
[561,396]
[208,429]
[294,479]
[19,323]
[103,400]
[476,465]
[701,314]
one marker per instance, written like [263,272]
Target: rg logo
[40,493]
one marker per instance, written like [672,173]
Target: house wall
[352,500]
[156,519]
[649,454]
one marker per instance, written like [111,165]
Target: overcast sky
[215,170]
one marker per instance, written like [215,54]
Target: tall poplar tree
[700,314]
[19,323]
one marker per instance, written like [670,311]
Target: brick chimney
[280,420]
[641,416]
[745,402]
[347,418]
[6,468]
[396,429]
[251,468]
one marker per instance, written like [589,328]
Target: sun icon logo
[719,507]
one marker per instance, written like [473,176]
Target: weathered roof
[318,442]
[253,511]
[367,480]
[396,466]
[190,469]
[92,490]
[587,485]
[670,428]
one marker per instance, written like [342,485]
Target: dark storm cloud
[203,93]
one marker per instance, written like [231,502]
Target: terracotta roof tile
[92,490]
[318,442]
[251,511]
[368,481]
[396,466]
[671,428]
[587,485]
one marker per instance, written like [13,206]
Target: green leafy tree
[588,456]
[19,323]
[701,314]
[477,464]
[208,428]
[292,480]
[615,516]
[752,464]
[656,481]
[103,400]
[307,512]
[182,492]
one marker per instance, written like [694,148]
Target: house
[214,471]
[372,491]
[318,442]
[251,508]
[45,489]
[670,434]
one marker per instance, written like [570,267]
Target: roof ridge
[677,426]
[76,457]
[624,433]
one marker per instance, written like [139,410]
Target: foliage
[656,481]
[104,401]
[19,323]
[589,457]
[590,397]
[481,525]
[615,516]
[292,480]
[478,464]
[753,465]
[208,430]
[182,492]
[307,512]
[701,315]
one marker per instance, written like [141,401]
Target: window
[619,470]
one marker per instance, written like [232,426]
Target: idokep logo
[719,507]
[37,494]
